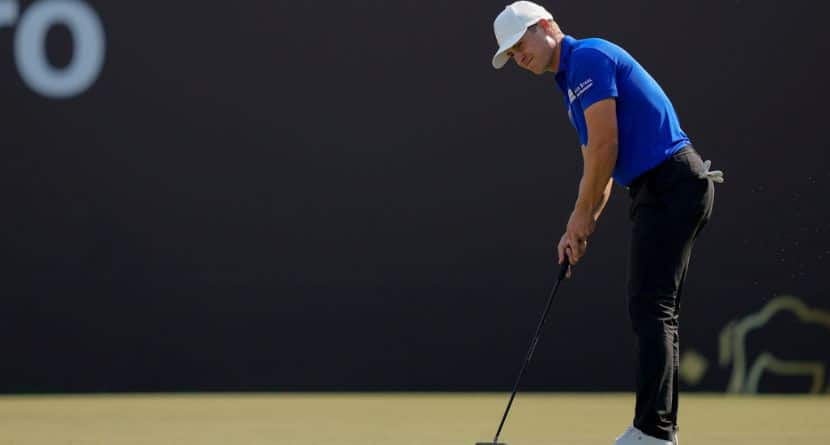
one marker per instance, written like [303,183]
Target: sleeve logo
[583,87]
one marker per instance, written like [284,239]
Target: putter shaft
[562,271]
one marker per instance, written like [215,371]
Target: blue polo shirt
[649,132]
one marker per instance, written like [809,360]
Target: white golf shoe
[633,436]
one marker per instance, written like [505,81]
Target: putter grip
[563,268]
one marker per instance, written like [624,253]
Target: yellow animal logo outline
[733,348]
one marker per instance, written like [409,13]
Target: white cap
[511,25]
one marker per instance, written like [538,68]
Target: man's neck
[557,53]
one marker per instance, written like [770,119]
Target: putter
[563,269]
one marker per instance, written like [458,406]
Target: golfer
[630,134]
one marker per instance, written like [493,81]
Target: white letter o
[30,47]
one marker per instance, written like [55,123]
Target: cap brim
[501,57]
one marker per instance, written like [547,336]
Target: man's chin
[535,71]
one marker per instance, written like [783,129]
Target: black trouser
[671,204]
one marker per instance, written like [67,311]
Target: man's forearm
[603,200]
[595,186]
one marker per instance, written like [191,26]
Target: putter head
[490,443]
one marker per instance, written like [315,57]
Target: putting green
[397,418]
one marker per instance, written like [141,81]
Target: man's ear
[547,27]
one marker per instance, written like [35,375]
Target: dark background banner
[274,195]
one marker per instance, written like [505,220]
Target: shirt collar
[565,50]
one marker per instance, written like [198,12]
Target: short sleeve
[594,77]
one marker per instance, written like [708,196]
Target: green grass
[399,419]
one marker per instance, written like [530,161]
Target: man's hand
[562,249]
[580,226]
